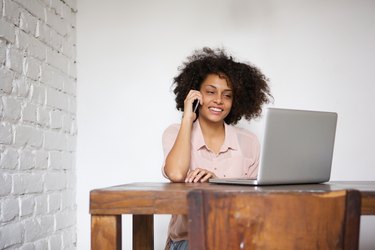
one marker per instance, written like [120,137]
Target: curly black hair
[250,86]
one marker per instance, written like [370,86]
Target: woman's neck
[211,129]
[213,134]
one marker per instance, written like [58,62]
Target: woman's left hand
[199,175]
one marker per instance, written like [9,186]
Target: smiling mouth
[216,109]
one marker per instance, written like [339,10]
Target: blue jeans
[179,245]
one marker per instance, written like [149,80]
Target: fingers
[190,98]
[199,175]
[189,114]
[208,176]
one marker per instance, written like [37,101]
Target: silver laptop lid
[297,146]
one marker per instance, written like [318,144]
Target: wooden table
[143,200]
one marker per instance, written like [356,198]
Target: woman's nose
[218,99]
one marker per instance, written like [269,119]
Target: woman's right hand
[189,113]
[199,175]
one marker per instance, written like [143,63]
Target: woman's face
[217,98]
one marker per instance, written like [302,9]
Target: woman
[214,92]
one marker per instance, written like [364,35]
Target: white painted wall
[317,54]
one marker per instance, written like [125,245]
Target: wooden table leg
[143,231]
[106,232]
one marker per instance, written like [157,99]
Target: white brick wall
[38,124]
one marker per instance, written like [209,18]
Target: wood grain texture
[170,198]
[274,220]
[368,203]
[143,232]
[108,204]
[106,232]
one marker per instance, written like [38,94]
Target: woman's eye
[210,92]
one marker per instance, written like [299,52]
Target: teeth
[216,109]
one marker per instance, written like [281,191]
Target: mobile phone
[195,105]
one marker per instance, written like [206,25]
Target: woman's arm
[177,162]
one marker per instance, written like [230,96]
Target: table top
[171,198]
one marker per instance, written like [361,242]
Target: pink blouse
[238,158]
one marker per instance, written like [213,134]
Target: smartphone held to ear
[195,105]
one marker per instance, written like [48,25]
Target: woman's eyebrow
[212,86]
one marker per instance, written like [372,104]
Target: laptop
[297,148]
